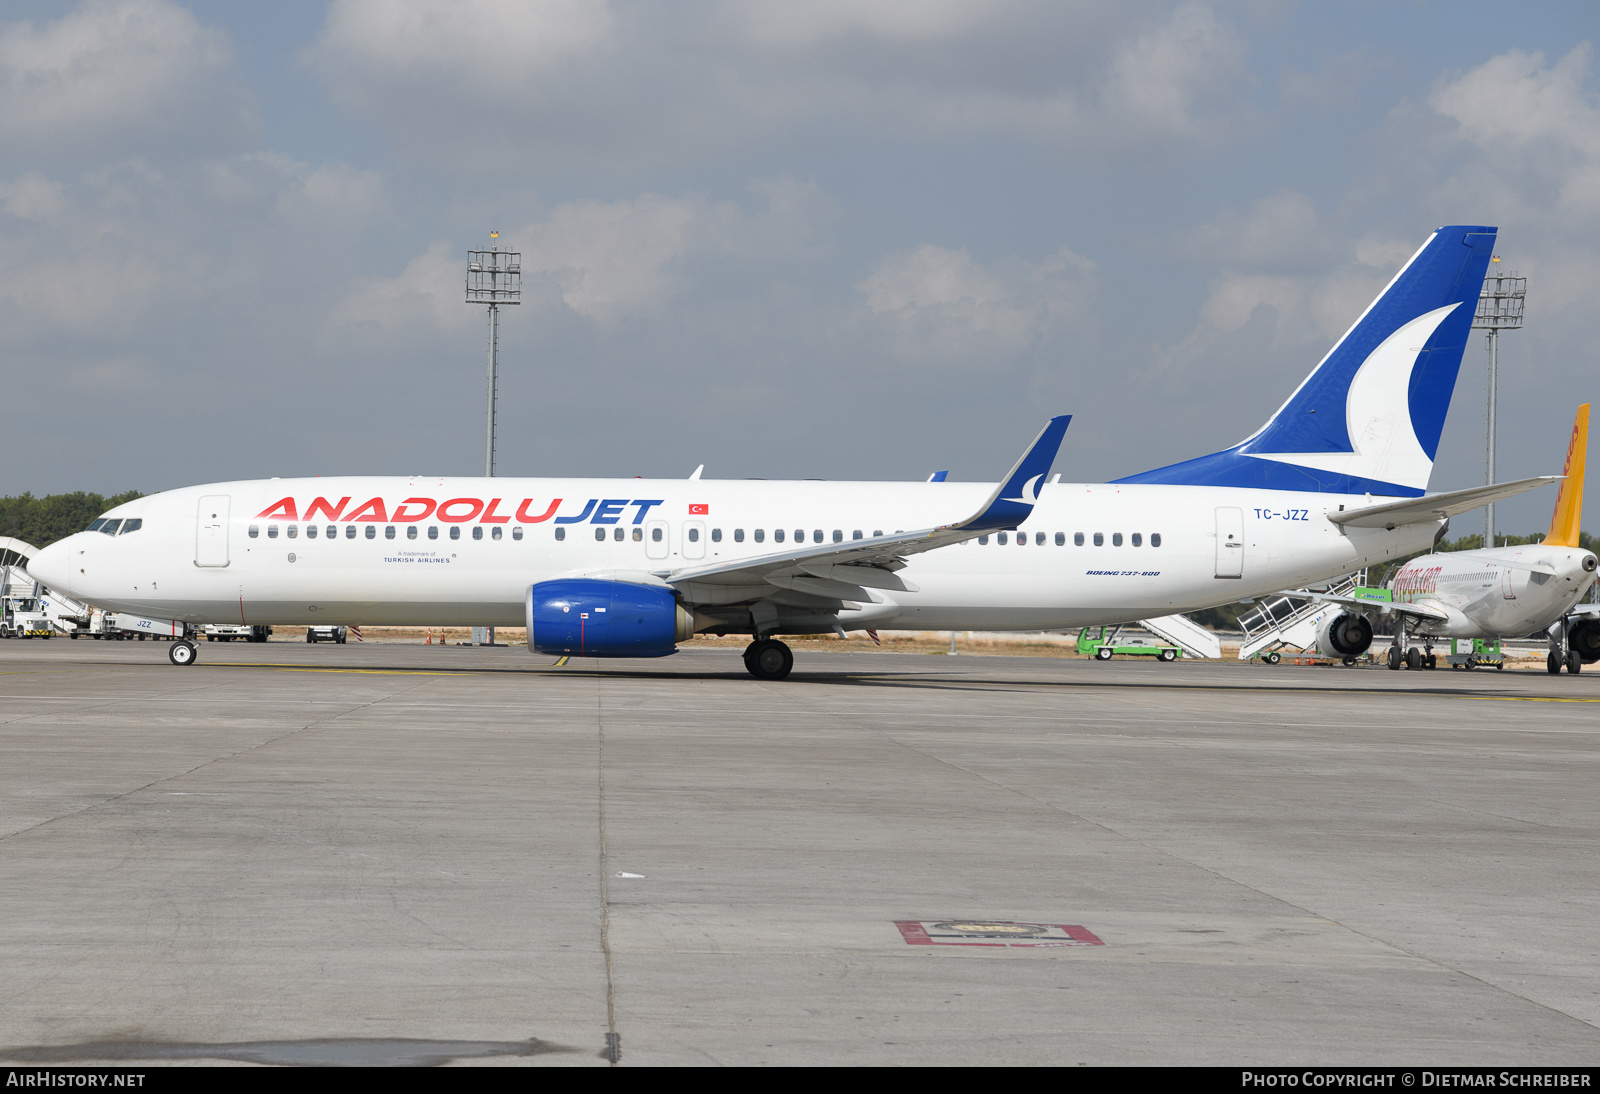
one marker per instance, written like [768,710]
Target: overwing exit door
[1230,541]
[211,531]
[655,539]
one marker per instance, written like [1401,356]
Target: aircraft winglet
[1012,501]
[1567,520]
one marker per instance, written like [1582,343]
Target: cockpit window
[110,527]
[94,525]
[132,524]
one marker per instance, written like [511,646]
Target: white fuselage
[1495,592]
[482,542]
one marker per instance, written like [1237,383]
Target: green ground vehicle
[1096,643]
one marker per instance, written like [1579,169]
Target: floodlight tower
[494,277]
[1499,308]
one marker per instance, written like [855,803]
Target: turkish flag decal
[699,510]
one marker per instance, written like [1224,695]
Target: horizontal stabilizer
[1433,507]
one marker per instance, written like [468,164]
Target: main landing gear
[183,652]
[768,659]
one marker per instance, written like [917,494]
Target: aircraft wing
[1421,611]
[1431,507]
[844,571]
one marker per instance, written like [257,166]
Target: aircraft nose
[53,566]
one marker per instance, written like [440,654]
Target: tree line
[42,521]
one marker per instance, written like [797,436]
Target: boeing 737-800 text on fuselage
[630,567]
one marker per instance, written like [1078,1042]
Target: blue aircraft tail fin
[1369,417]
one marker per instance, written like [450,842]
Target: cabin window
[494,533]
[856,534]
[349,531]
[455,531]
[561,534]
[1001,539]
[1061,539]
[761,534]
[477,531]
[516,533]
[433,531]
[816,536]
[638,535]
[272,531]
[716,535]
[311,531]
[876,532]
[1155,539]
[1116,539]
[332,531]
[777,535]
[655,534]
[372,531]
[838,535]
[618,534]
[132,524]
[1077,539]
[411,531]
[294,530]
[255,530]
[800,535]
[388,531]
[738,535]
[694,535]
[1022,539]
[1099,539]
[1137,540]
[983,541]
[1038,539]
[599,535]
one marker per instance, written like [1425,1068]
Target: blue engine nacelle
[591,617]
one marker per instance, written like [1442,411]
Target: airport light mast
[494,277]
[1499,308]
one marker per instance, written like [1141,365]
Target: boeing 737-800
[630,567]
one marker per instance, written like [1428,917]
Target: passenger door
[211,531]
[655,539]
[1230,542]
[694,539]
[1507,589]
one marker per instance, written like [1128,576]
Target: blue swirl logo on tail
[1369,417]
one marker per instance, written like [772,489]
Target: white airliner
[631,567]
[1496,592]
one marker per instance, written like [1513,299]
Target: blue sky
[842,240]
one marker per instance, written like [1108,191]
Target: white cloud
[117,76]
[574,83]
[609,260]
[941,302]
[33,197]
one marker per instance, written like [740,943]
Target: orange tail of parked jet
[1568,518]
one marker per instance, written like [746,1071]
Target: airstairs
[1286,620]
[1186,634]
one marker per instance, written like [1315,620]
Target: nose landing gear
[182,652]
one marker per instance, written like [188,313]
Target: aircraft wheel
[1349,662]
[183,653]
[1273,658]
[1432,661]
[1413,659]
[769,659]
[1552,663]
[1574,662]
[1394,658]
[1169,655]
[1103,653]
